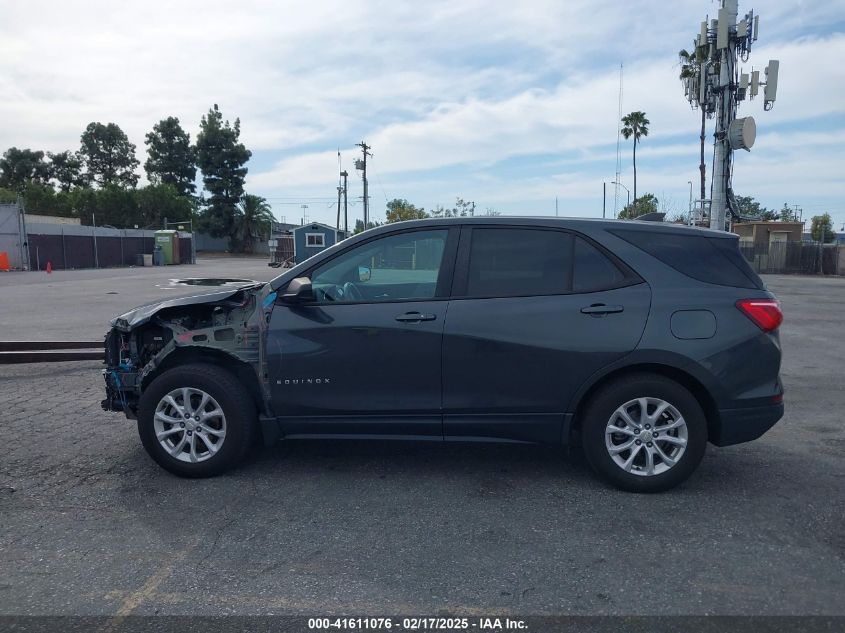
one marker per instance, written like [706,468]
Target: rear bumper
[743,425]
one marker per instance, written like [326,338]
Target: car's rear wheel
[644,433]
[196,420]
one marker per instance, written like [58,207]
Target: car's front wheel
[196,420]
[644,433]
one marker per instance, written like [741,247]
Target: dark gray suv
[640,341]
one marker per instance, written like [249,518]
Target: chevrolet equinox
[641,341]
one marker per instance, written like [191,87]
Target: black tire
[237,405]
[602,406]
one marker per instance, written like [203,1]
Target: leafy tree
[788,215]
[646,203]
[254,219]
[66,170]
[171,159]
[19,167]
[691,64]
[222,158]
[7,196]
[108,155]
[42,199]
[635,126]
[462,209]
[359,226]
[111,204]
[157,202]
[749,207]
[821,228]
[399,210]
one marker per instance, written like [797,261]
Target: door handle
[415,317]
[599,309]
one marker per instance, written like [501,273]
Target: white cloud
[434,86]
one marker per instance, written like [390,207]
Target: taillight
[764,312]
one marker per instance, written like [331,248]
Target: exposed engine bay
[224,326]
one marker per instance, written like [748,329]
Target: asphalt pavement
[89,525]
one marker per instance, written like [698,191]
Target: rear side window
[708,259]
[593,270]
[519,262]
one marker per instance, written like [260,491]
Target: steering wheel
[351,292]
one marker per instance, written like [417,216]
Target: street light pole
[625,188]
[689,210]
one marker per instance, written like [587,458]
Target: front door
[364,358]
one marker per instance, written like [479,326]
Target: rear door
[535,311]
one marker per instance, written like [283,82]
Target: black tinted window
[695,256]
[518,262]
[593,269]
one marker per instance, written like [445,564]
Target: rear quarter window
[713,260]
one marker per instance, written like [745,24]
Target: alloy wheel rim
[646,436]
[190,425]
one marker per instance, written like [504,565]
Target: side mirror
[364,273]
[299,291]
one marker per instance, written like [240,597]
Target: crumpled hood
[143,313]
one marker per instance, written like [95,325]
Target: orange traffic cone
[49,267]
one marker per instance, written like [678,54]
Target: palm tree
[691,67]
[636,125]
[254,219]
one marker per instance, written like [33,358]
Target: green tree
[399,210]
[108,155]
[40,199]
[635,126]
[171,159]
[253,220]
[359,226]
[222,158]
[821,228]
[787,214]
[66,170]
[747,206]
[691,67]
[19,167]
[646,203]
[157,202]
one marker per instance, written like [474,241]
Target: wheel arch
[241,370]
[684,378]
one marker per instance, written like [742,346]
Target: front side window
[519,262]
[393,268]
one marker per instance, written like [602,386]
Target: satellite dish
[742,133]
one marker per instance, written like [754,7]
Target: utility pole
[304,208]
[344,175]
[339,192]
[362,165]
[94,234]
[603,200]
[717,86]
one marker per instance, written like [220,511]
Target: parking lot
[90,525]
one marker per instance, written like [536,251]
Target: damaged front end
[227,328]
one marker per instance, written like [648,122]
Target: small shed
[309,239]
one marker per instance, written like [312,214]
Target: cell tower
[717,85]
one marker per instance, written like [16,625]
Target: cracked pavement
[90,526]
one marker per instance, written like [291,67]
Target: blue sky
[507,104]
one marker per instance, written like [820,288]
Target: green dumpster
[169,242]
